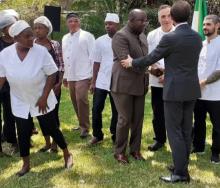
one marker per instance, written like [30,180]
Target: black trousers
[9,130]
[47,123]
[203,107]
[56,110]
[158,114]
[178,121]
[46,132]
[98,106]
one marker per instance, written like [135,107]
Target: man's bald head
[137,20]
[133,14]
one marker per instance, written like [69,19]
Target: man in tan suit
[129,86]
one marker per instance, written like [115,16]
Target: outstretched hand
[126,63]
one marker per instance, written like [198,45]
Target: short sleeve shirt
[209,62]
[27,79]
[153,40]
[103,54]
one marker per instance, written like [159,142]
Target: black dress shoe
[155,146]
[175,178]
[215,159]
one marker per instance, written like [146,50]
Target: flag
[200,11]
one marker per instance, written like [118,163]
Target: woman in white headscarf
[9,123]
[42,29]
[31,72]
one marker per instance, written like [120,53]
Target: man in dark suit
[128,87]
[180,50]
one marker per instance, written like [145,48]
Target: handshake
[156,71]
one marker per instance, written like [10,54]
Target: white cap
[18,27]
[45,21]
[6,20]
[112,17]
[11,12]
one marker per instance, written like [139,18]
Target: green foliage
[92,12]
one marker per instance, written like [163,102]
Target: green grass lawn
[96,167]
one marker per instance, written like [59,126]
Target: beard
[208,32]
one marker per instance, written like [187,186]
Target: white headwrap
[6,20]
[18,27]
[112,17]
[11,12]
[46,22]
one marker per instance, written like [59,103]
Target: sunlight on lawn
[96,167]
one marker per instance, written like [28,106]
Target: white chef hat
[11,12]
[18,27]
[6,20]
[45,21]
[112,17]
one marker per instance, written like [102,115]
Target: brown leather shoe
[121,158]
[95,141]
[137,156]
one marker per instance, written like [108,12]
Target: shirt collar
[76,33]
[160,29]
[183,23]
[212,40]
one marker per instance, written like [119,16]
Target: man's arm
[2,81]
[96,67]
[162,50]
[215,76]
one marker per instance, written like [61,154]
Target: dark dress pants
[203,107]
[178,122]
[47,123]
[99,98]
[8,130]
[158,114]
[130,116]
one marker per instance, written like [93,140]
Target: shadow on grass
[96,166]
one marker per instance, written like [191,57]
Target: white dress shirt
[27,79]
[77,48]
[103,54]
[153,40]
[209,62]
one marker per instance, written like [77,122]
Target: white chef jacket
[77,49]
[27,79]
[209,62]
[103,54]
